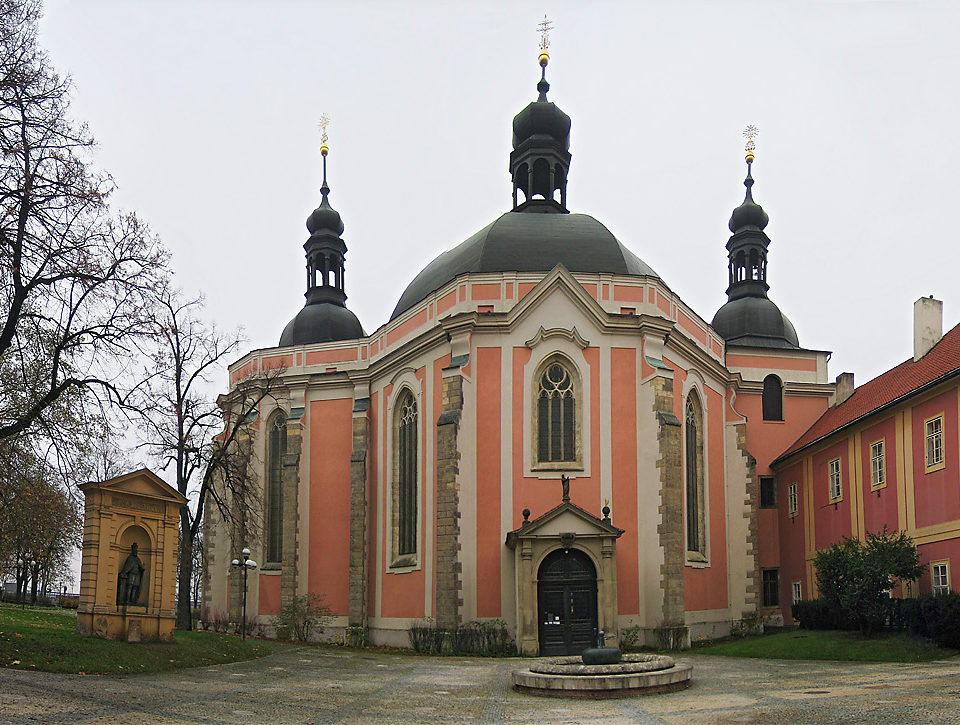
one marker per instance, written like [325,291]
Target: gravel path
[319,685]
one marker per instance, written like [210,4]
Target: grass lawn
[46,639]
[805,644]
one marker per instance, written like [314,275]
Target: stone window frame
[276,420]
[693,404]
[580,410]
[405,382]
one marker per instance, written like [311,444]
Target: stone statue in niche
[130,579]
[565,483]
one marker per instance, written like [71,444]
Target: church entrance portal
[567,603]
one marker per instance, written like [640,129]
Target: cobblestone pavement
[319,685]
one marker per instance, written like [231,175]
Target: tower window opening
[772,398]
[754,264]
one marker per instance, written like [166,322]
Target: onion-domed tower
[325,317]
[749,317]
[540,158]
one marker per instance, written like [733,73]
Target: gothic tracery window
[276,448]
[693,460]
[556,415]
[405,498]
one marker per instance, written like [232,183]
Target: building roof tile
[942,360]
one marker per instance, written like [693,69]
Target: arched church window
[556,415]
[693,463]
[772,398]
[405,491]
[276,448]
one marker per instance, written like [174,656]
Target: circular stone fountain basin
[633,675]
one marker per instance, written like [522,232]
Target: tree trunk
[33,584]
[184,574]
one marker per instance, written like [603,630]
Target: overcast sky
[206,115]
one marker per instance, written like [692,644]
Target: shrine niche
[129,565]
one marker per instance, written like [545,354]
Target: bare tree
[206,441]
[75,277]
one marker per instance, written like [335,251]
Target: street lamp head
[245,552]
[251,564]
[235,562]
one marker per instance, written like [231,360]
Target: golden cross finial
[545,27]
[750,133]
[323,123]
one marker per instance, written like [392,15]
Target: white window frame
[878,464]
[933,442]
[792,500]
[940,577]
[835,480]
[797,592]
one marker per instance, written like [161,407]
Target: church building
[543,431]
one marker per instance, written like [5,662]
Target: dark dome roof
[321,322]
[524,241]
[325,216]
[542,118]
[754,322]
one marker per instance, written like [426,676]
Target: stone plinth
[129,566]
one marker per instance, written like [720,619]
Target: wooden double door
[567,603]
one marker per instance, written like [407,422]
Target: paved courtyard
[319,685]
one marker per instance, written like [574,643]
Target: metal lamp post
[244,563]
[28,565]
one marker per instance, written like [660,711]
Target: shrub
[936,616]
[301,618]
[855,576]
[426,637]
[356,636]
[630,638]
[818,614]
[220,621]
[670,636]
[750,625]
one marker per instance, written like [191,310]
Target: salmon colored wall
[402,592]
[446,302]
[277,361]
[768,362]
[485,291]
[269,595]
[626,293]
[793,558]
[331,356]
[768,439]
[438,366]
[523,288]
[831,521]
[328,570]
[488,538]
[623,446]
[937,494]
[405,328]
[880,507]
[706,588]
[372,503]
[692,327]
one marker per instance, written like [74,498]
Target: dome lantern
[540,160]
[325,316]
[750,317]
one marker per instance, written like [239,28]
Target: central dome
[525,241]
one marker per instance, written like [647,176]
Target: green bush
[630,638]
[426,637]
[936,616]
[818,614]
[854,577]
[301,618]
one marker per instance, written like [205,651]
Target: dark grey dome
[754,322]
[526,241]
[321,322]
